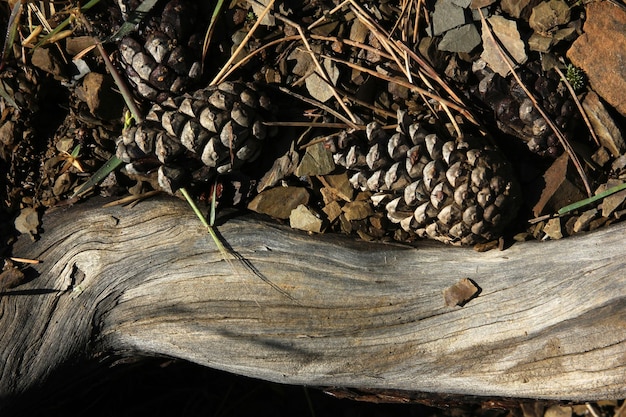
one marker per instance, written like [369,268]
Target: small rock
[460,293]
[505,31]
[479,4]
[446,16]
[357,210]
[340,185]
[604,31]
[558,411]
[612,202]
[7,139]
[539,43]
[279,202]
[548,15]
[358,31]
[582,222]
[462,3]
[282,167]
[603,125]
[11,277]
[302,218]
[47,61]
[77,44]
[558,191]
[553,229]
[317,160]
[317,87]
[332,211]
[601,156]
[462,39]
[62,184]
[519,8]
[98,92]
[28,222]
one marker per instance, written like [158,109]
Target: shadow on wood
[549,322]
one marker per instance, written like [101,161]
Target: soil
[59,125]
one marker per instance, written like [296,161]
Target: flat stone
[98,92]
[479,4]
[28,222]
[279,202]
[446,16]
[506,32]
[603,125]
[519,8]
[614,201]
[302,218]
[601,52]
[549,15]
[317,87]
[553,229]
[582,222]
[357,210]
[317,160]
[461,3]
[539,43]
[462,39]
[47,61]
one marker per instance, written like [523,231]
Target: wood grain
[549,322]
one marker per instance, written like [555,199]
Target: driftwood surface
[550,321]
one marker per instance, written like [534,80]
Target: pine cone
[164,59]
[456,191]
[516,114]
[217,129]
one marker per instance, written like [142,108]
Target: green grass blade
[135,17]
[5,95]
[9,38]
[600,196]
[110,166]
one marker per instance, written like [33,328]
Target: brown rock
[548,15]
[553,228]
[613,201]
[48,61]
[316,161]
[519,8]
[77,44]
[332,211]
[279,202]
[98,92]
[558,191]
[582,223]
[601,52]
[460,293]
[357,210]
[603,125]
[505,31]
[302,218]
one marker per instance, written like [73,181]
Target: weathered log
[549,322]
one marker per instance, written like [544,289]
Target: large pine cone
[217,129]
[164,58]
[456,191]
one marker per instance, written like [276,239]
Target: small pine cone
[459,192]
[164,59]
[218,127]
[516,114]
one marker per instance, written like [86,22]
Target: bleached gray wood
[550,321]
